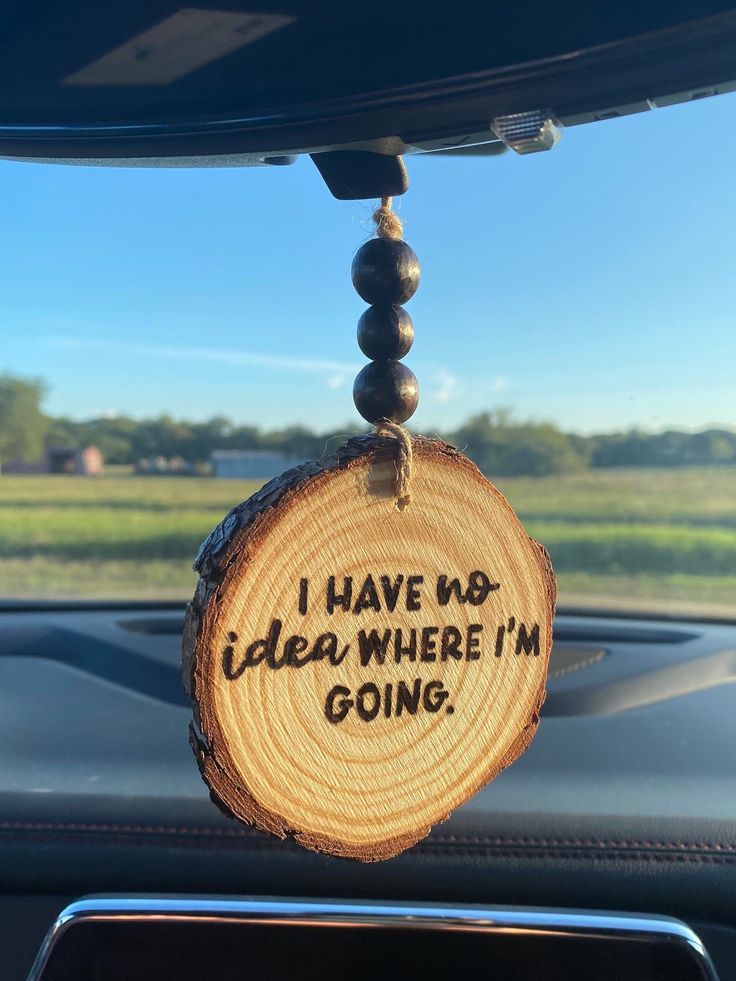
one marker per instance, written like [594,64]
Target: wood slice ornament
[361,664]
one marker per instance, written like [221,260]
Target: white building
[251,464]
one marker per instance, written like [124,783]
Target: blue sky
[592,286]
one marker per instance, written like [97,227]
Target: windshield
[174,338]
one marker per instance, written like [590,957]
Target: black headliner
[343,72]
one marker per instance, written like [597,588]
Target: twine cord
[404,459]
[388,223]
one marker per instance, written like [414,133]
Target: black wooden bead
[385,332]
[385,271]
[386,390]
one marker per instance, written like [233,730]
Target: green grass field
[653,539]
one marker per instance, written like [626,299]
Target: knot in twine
[384,427]
[388,223]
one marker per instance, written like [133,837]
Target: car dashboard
[624,802]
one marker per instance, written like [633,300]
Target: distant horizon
[513,418]
[589,287]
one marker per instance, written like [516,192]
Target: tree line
[498,443]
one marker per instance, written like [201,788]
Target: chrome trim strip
[536,922]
